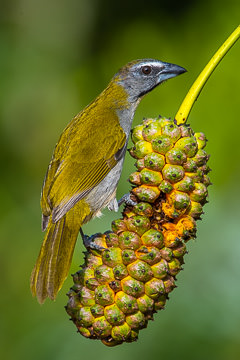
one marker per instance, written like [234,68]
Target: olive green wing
[59,153]
[80,168]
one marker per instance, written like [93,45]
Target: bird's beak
[170,70]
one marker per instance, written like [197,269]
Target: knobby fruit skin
[120,287]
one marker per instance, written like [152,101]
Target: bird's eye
[146,70]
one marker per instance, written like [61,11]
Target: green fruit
[140,270]
[200,193]
[162,144]
[128,257]
[152,130]
[176,156]
[132,287]
[135,178]
[154,288]
[150,256]
[126,303]
[114,315]
[154,161]
[112,257]
[137,133]
[166,187]
[161,269]
[141,149]
[129,240]
[145,304]
[101,327]
[104,295]
[146,193]
[171,130]
[180,200]
[121,332]
[201,140]
[188,145]
[136,321]
[103,273]
[186,184]
[121,285]
[143,208]
[150,177]
[154,238]
[173,173]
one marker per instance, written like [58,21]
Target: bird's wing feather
[59,152]
[78,166]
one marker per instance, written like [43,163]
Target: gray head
[141,76]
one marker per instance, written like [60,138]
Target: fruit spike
[119,288]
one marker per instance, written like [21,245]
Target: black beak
[172,70]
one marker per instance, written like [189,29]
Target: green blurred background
[55,57]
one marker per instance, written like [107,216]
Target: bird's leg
[126,198]
[88,241]
[114,204]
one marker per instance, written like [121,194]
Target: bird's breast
[105,191]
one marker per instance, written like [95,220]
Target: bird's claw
[88,242]
[126,198]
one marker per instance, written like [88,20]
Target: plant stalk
[193,93]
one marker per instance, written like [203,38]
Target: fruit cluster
[121,286]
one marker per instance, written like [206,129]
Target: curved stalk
[193,93]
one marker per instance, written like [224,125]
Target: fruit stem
[193,93]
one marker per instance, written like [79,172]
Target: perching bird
[85,168]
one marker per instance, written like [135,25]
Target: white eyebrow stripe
[150,63]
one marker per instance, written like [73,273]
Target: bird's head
[141,76]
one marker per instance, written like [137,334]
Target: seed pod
[151,130]
[173,173]
[171,130]
[137,133]
[146,193]
[128,279]
[154,161]
[150,177]
[188,145]
[186,185]
[143,208]
[162,144]
[176,156]
[135,178]
[201,140]
[141,149]
[166,186]
[180,200]
[200,193]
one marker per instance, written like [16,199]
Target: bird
[85,168]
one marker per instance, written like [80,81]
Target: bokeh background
[55,57]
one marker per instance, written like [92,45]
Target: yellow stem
[197,86]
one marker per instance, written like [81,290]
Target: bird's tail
[54,259]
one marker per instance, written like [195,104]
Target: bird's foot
[88,241]
[126,198]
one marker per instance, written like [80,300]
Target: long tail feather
[55,256]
